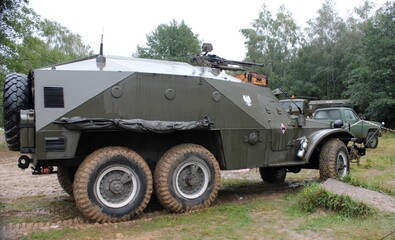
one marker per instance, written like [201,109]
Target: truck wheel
[334,162]
[273,175]
[112,184]
[17,96]
[66,178]
[373,140]
[187,177]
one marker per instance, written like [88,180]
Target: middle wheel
[187,177]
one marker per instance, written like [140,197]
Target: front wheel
[334,162]
[112,184]
[187,178]
[372,140]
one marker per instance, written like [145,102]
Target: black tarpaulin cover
[138,125]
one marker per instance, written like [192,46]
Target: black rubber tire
[109,166]
[334,161]
[193,161]
[374,140]
[17,96]
[273,175]
[66,178]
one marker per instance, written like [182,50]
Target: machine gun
[214,61]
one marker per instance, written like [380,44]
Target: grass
[377,168]
[254,210]
[271,217]
[315,196]
[39,209]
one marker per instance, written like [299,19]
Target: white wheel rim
[111,188]
[342,164]
[191,178]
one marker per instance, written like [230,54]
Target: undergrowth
[314,196]
[375,186]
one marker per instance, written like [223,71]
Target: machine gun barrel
[217,62]
[214,61]
[250,64]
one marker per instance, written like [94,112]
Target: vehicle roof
[131,64]
[332,108]
[296,99]
[345,101]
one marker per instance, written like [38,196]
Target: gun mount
[214,61]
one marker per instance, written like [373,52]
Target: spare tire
[17,96]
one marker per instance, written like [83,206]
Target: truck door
[355,125]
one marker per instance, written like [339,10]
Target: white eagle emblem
[247,100]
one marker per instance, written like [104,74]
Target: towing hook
[23,162]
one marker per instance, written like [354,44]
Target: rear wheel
[334,162]
[66,178]
[187,177]
[17,96]
[372,140]
[112,184]
[273,175]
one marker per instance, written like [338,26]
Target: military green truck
[117,130]
[367,132]
[316,104]
[296,106]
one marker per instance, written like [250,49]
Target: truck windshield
[327,115]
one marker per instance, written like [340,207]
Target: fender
[320,136]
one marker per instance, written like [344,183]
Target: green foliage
[27,42]
[371,83]
[174,41]
[273,40]
[324,53]
[334,58]
[315,196]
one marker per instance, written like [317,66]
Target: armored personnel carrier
[117,130]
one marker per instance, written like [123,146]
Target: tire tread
[162,174]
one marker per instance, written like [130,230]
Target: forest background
[333,57]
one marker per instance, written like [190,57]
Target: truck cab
[366,131]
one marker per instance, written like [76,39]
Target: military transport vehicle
[117,130]
[367,132]
[316,104]
[296,106]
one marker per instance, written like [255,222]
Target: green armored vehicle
[117,130]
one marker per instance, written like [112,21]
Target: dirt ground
[24,183]
[47,188]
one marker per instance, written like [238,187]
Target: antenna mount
[101,59]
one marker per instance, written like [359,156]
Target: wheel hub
[192,180]
[116,187]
